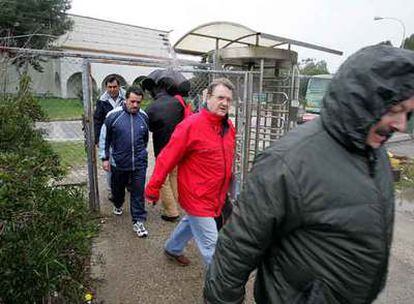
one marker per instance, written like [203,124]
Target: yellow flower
[88,296]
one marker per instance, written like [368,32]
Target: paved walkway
[133,270]
[62,130]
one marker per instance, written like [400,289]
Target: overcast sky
[345,25]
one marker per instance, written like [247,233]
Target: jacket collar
[125,108]
[211,117]
[114,102]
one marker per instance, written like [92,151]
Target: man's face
[133,102]
[395,120]
[113,88]
[219,101]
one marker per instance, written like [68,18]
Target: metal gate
[262,111]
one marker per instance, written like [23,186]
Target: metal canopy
[222,34]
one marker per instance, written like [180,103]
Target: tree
[310,66]
[32,24]
[409,42]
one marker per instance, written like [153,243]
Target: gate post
[89,136]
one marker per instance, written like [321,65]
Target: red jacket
[204,160]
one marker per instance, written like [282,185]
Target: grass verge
[61,109]
[72,153]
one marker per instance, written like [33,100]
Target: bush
[406,173]
[45,231]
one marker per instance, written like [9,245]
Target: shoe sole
[143,235]
[174,260]
[171,219]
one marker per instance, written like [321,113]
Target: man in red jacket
[203,148]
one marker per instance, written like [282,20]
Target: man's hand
[106,165]
[152,195]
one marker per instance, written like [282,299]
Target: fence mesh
[56,84]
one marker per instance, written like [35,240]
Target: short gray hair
[220,81]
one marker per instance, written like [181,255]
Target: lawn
[69,109]
[72,153]
[62,109]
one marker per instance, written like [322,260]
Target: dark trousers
[225,214]
[136,182]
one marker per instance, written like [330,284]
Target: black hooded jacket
[164,114]
[316,215]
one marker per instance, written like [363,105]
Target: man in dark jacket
[316,214]
[125,133]
[112,98]
[164,114]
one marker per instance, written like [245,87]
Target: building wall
[43,83]
[106,37]
[99,72]
[97,37]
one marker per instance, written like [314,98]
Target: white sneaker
[117,211]
[139,228]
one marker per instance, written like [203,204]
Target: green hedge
[45,231]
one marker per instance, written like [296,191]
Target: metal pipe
[402,45]
[89,136]
[103,58]
[226,72]
[258,108]
[244,155]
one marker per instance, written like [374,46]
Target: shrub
[45,231]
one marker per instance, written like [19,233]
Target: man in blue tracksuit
[125,133]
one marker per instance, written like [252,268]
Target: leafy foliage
[45,230]
[406,170]
[32,24]
[409,42]
[310,66]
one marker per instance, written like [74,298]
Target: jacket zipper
[132,142]
[225,164]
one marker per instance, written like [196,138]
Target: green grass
[61,109]
[72,153]
[69,109]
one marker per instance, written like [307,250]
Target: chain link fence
[56,84]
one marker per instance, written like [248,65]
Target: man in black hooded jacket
[316,215]
[164,114]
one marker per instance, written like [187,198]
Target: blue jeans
[202,229]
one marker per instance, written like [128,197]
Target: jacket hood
[172,81]
[366,85]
